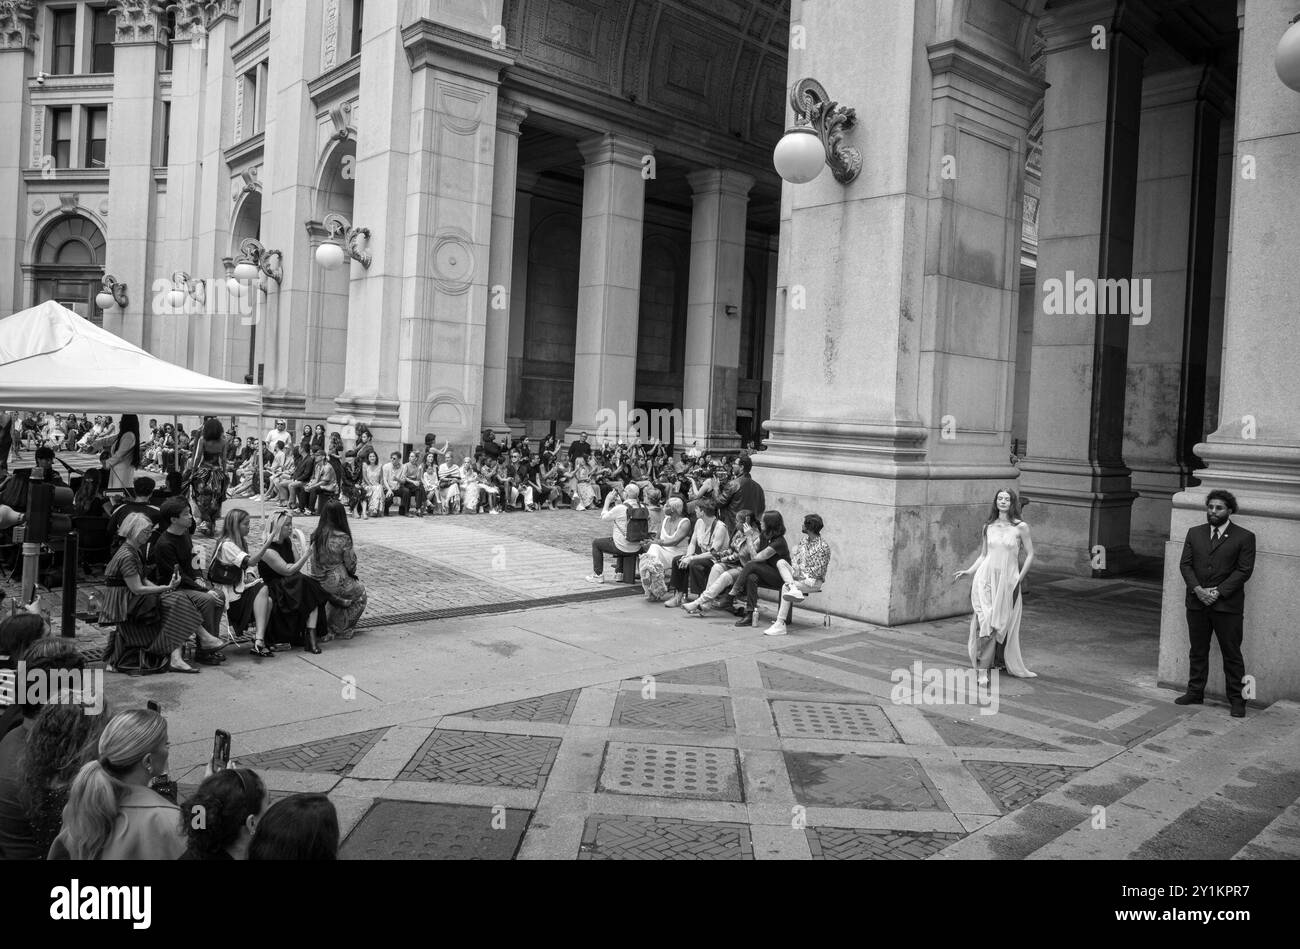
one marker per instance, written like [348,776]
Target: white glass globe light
[236,288]
[176,299]
[330,256]
[104,300]
[799,156]
[246,270]
[1287,58]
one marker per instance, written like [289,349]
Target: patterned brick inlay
[479,758]
[555,708]
[673,712]
[663,838]
[326,756]
[886,784]
[709,673]
[955,731]
[837,843]
[680,771]
[406,830]
[832,720]
[783,680]
[1015,785]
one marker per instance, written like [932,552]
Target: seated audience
[709,543]
[744,544]
[172,554]
[656,563]
[618,542]
[304,827]
[334,564]
[223,814]
[762,568]
[236,578]
[296,596]
[812,558]
[141,501]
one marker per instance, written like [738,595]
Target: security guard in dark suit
[1218,558]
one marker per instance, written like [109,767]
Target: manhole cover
[408,830]
[684,771]
[832,720]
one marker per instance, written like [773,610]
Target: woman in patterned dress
[208,478]
[334,564]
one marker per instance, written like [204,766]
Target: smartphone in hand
[220,751]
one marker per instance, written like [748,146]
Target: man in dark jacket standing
[1218,559]
[743,493]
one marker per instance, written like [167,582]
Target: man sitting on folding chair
[812,558]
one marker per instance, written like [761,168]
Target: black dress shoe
[1238,710]
[1189,699]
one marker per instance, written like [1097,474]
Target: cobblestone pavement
[616,730]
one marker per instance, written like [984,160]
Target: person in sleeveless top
[296,596]
[995,592]
[208,478]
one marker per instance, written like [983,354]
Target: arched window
[69,266]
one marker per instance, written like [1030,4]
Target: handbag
[145,609]
[224,574]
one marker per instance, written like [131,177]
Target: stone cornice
[17,25]
[434,45]
[720,181]
[249,150]
[139,21]
[61,90]
[614,149]
[336,83]
[962,59]
[510,115]
[249,46]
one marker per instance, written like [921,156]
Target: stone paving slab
[555,708]
[328,756]
[511,761]
[639,838]
[684,712]
[838,843]
[676,771]
[862,782]
[402,830]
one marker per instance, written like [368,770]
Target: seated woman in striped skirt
[153,618]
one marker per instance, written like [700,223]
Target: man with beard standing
[1218,558]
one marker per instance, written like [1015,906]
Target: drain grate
[844,722]
[680,771]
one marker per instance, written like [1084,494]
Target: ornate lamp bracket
[350,238]
[830,120]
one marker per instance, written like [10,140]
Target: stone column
[1075,477]
[893,364]
[288,201]
[526,180]
[717,277]
[609,283]
[132,124]
[213,200]
[501,288]
[17,35]
[1173,249]
[1255,453]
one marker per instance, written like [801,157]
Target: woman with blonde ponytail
[112,813]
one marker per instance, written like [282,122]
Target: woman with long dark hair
[112,813]
[335,566]
[222,816]
[762,567]
[208,478]
[372,481]
[995,592]
[124,458]
[317,439]
[301,827]
[237,580]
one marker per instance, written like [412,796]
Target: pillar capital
[611,148]
[139,21]
[1076,25]
[17,25]
[510,115]
[985,71]
[720,181]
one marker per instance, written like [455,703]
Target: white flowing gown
[993,596]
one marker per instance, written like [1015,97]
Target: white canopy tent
[52,359]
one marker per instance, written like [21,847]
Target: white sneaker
[776,629]
[792,594]
[596,578]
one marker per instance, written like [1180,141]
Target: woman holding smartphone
[296,597]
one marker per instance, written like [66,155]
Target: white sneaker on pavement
[792,594]
[596,578]
[776,629]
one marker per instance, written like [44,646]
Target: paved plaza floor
[495,705]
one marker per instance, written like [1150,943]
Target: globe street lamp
[1287,58]
[344,242]
[256,260]
[816,138]
[185,289]
[112,294]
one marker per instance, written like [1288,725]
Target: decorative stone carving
[214,10]
[139,21]
[38,207]
[17,24]
[103,208]
[239,109]
[344,124]
[330,55]
[189,15]
[38,137]
[68,203]
[453,261]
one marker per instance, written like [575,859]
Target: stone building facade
[569,208]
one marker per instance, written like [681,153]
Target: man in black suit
[1218,559]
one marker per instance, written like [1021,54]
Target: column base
[281,403]
[898,525]
[381,416]
[1080,514]
[1155,486]
[1265,479]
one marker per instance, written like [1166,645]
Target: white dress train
[997,604]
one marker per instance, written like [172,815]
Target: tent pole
[261,488]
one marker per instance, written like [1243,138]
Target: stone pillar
[17,34]
[212,219]
[501,288]
[1255,453]
[1075,475]
[288,202]
[445,299]
[717,277]
[133,121]
[1173,249]
[609,284]
[894,365]
[526,180]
